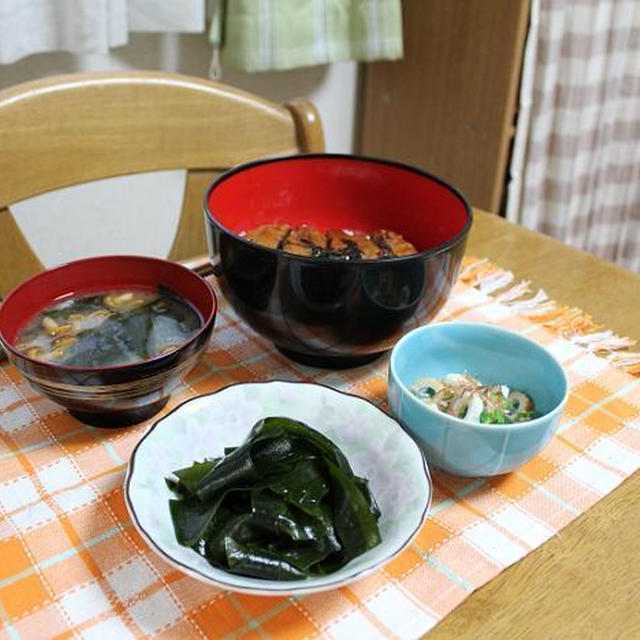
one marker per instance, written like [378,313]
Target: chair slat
[190,236]
[17,259]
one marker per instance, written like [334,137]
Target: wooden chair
[70,129]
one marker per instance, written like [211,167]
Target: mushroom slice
[61,330]
[35,352]
[49,324]
[64,341]
[54,354]
[127,300]
[84,322]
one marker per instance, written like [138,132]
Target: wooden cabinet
[449,105]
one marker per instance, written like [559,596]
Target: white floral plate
[373,442]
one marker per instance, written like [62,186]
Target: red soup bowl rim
[342,156]
[56,366]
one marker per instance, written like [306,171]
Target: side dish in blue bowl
[480,400]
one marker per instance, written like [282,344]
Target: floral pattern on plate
[373,442]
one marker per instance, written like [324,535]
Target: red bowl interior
[341,192]
[99,274]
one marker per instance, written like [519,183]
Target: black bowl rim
[292,589]
[427,253]
[206,322]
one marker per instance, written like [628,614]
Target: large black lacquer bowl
[320,311]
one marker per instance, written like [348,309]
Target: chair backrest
[70,129]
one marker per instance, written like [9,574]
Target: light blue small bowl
[495,356]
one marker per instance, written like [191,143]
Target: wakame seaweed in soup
[110,328]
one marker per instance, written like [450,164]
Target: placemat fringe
[518,290]
[571,323]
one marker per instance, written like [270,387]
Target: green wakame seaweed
[284,505]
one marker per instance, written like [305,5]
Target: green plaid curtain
[261,35]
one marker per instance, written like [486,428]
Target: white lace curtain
[88,26]
[575,171]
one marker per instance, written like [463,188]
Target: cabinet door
[449,105]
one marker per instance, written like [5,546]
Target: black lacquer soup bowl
[108,396]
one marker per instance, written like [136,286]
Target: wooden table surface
[584,583]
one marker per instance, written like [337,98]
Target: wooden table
[585,583]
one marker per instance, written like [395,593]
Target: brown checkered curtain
[575,171]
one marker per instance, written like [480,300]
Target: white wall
[115,215]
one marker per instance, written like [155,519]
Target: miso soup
[110,328]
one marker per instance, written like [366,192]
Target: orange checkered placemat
[71,563]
